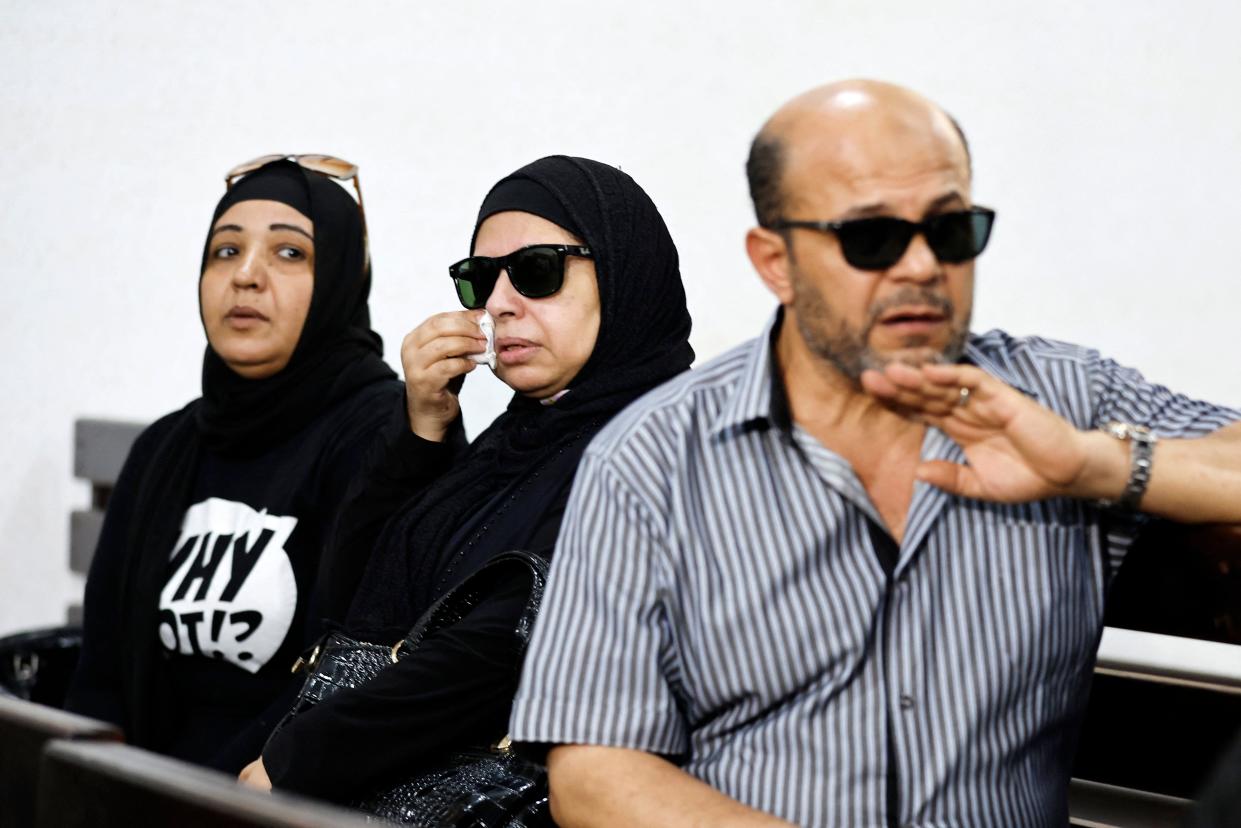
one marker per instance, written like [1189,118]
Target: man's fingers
[874,382]
[945,385]
[955,376]
[906,389]
[966,393]
[918,401]
[953,380]
[953,478]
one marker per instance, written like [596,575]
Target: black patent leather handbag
[479,787]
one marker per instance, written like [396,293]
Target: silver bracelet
[1142,449]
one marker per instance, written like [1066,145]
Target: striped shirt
[722,594]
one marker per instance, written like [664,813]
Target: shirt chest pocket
[1039,582]
[756,629]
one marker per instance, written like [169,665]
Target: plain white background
[1106,134]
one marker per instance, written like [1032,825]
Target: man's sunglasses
[880,242]
[328,165]
[535,271]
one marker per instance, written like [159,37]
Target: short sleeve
[602,652]
[1123,394]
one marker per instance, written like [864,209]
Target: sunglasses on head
[328,165]
[880,242]
[535,272]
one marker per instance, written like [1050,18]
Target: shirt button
[907,702]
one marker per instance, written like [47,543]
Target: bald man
[852,572]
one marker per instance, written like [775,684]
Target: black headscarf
[336,355]
[337,351]
[452,527]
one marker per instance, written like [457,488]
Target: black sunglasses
[880,242]
[535,271]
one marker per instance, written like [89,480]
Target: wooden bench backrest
[25,728]
[98,785]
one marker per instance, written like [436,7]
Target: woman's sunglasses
[880,242]
[328,165]
[535,272]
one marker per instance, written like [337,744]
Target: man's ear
[770,254]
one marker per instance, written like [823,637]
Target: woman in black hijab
[433,513]
[199,594]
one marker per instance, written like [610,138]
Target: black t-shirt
[237,607]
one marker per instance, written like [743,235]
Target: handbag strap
[459,601]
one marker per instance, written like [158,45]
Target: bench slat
[25,728]
[103,785]
[100,448]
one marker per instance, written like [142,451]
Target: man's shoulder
[1002,345]
[1025,361]
[1059,375]
[679,407]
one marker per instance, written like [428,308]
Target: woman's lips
[513,350]
[243,316]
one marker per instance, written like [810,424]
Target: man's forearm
[1192,480]
[602,786]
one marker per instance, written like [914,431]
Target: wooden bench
[100,785]
[99,451]
[1096,805]
[1165,703]
[25,729]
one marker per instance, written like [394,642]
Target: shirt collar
[996,364]
[761,397]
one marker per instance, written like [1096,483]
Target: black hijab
[336,355]
[529,454]
[337,351]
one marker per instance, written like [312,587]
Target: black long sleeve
[399,465]
[96,689]
[455,689]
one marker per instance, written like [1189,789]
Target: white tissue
[488,357]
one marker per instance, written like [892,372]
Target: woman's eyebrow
[236,228]
[223,228]
[292,227]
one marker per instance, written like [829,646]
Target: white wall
[1107,135]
